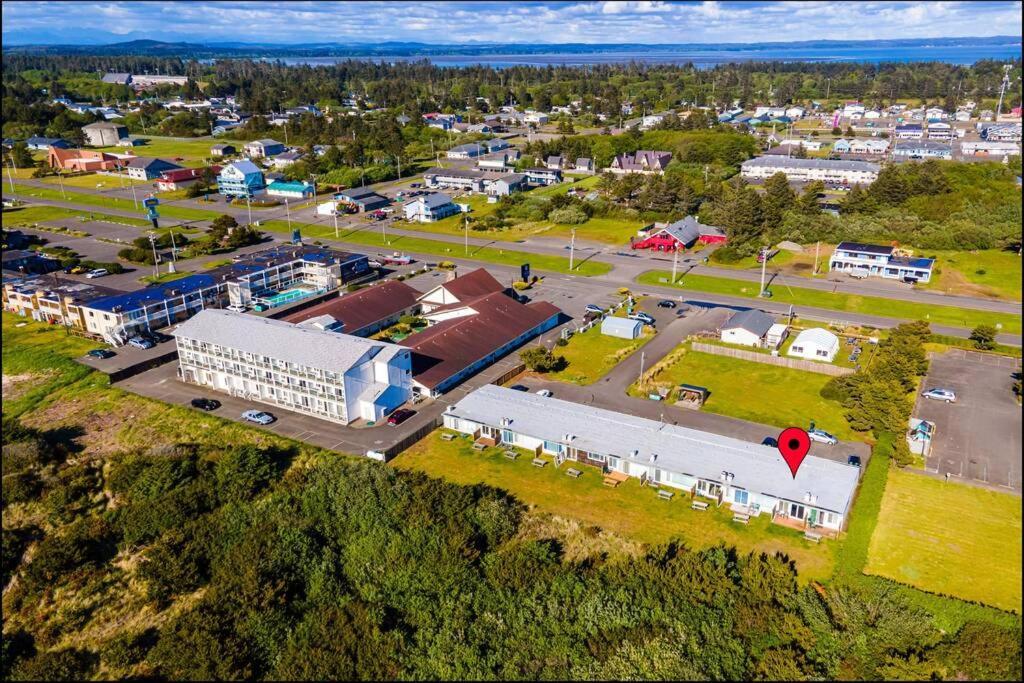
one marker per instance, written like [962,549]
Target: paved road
[978,438]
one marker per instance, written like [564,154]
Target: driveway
[978,437]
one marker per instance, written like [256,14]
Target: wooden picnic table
[573,472]
[447,437]
[812,536]
[537,462]
[511,455]
[741,518]
[665,495]
[699,505]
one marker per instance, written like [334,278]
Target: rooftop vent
[450,409]
[635,453]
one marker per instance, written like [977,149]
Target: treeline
[347,569]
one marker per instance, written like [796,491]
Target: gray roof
[116,78]
[245,166]
[435,199]
[756,468]
[791,162]
[305,346]
[921,144]
[689,230]
[513,178]
[752,320]
[103,125]
[455,173]
[265,142]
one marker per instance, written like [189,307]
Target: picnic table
[665,495]
[447,437]
[537,462]
[741,518]
[479,446]
[510,454]
[699,505]
[812,536]
[573,472]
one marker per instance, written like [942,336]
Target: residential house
[815,343]
[1003,133]
[643,161]
[853,110]
[285,159]
[909,131]
[747,328]
[467,151]
[41,144]
[921,149]
[222,150]
[935,114]
[104,133]
[362,198]
[241,179]
[803,170]
[584,165]
[177,179]
[679,235]
[553,162]
[880,261]
[330,375]
[748,478]
[542,176]
[987,147]
[507,184]
[263,148]
[535,117]
[869,146]
[496,145]
[939,131]
[465,180]
[149,168]
[430,208]
[499,161]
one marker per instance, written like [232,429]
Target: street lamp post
[335,213]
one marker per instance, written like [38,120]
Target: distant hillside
[405,49]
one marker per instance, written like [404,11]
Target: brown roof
[472,285]
[363,307]
[447,348]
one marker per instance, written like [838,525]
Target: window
[741,496]
[552,447]
[822,353]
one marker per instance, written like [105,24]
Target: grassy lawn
[630,511]
[93,181]
[371,237]
[164,277]
[991,272]
[28,216]
[850,303]
[109,202]
[591,354]
[192,151]
[751,391]
[949,538]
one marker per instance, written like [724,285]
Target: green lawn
[193,152]
[93,181]
[109,202]
[164,277]
[28,216]
[991,272]
[591,354]
[630,511]
[752,391]
[949,538]
[850,303]
[371,237]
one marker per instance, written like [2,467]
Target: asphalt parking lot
[978,437]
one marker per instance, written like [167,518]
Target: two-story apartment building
[880,261]
[257,149]
[921,149]
[749,478]
[241,179]
[807,170]
[331,375]
[430,208]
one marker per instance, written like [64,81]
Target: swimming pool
[265,301]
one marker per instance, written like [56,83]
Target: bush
[113,268]
[20,488]
[86,542]
[984,337]
[127,649]
[570,215]
[137,255]
[727,254]
[69,664]
[540,359]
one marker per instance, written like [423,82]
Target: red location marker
[794,444]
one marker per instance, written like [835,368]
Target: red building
[679,235]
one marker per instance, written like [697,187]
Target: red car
[400,416]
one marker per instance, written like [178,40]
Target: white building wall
[738,335]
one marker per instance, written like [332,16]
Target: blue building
[241,179]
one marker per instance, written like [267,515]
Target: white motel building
[329,375]
[750,478]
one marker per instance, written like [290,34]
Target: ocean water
[953,54]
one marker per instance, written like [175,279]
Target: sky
[441,22]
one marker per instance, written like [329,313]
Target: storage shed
[624,328]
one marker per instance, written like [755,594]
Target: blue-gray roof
[752,320]
[130,301]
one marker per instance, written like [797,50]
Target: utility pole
[156,266]
[335,213]
[60,179]
[675,263]
[764,264]
[817,250]
[383,234]
[572,248]
[10,176]
[248,206]
[135,198]
[174,254]
[288,213]
[643,355]
[466,224]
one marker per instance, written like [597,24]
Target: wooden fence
[782,361]
[413,438]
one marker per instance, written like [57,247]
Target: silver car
[937,394]
[258,416]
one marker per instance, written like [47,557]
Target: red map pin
[794,444]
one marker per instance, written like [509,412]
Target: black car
[769,441]
[102,354]
[400,416]
[665,303]
[853,460]
[519,387]
[205,403]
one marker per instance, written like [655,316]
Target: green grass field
[753,391]
[991,272]
[192,152]
[108,202]
[591,354]
[850,303]
[371,237]
[949,538]
[93,181]
[631,511]
[27,216]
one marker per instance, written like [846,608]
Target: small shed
[624,328]
[692,396]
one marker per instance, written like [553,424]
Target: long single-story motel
[751,478]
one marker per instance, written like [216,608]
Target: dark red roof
[179,174]
[363,307]
[447,348]
[473,284]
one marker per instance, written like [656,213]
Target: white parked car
[238,308]
[947,395]
[821,436]
[544,392]
[98,272]
[258,416]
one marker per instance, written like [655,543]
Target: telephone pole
[817,250]
[572,248]
[764,264]
[675,263]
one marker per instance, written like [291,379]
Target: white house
[748,478]
[825,170]
[430,208]
[815,344]
[329,375]
[747,328]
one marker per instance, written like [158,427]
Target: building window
[741,496]
[552,447]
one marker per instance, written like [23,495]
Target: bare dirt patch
[14,386]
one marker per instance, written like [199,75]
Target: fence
[514,372]
[782,361]
[413,438]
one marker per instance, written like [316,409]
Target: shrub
[984,337]
[570,215]
[540,359]
[20,488]
[127,649]
[86,542]
[69,664]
